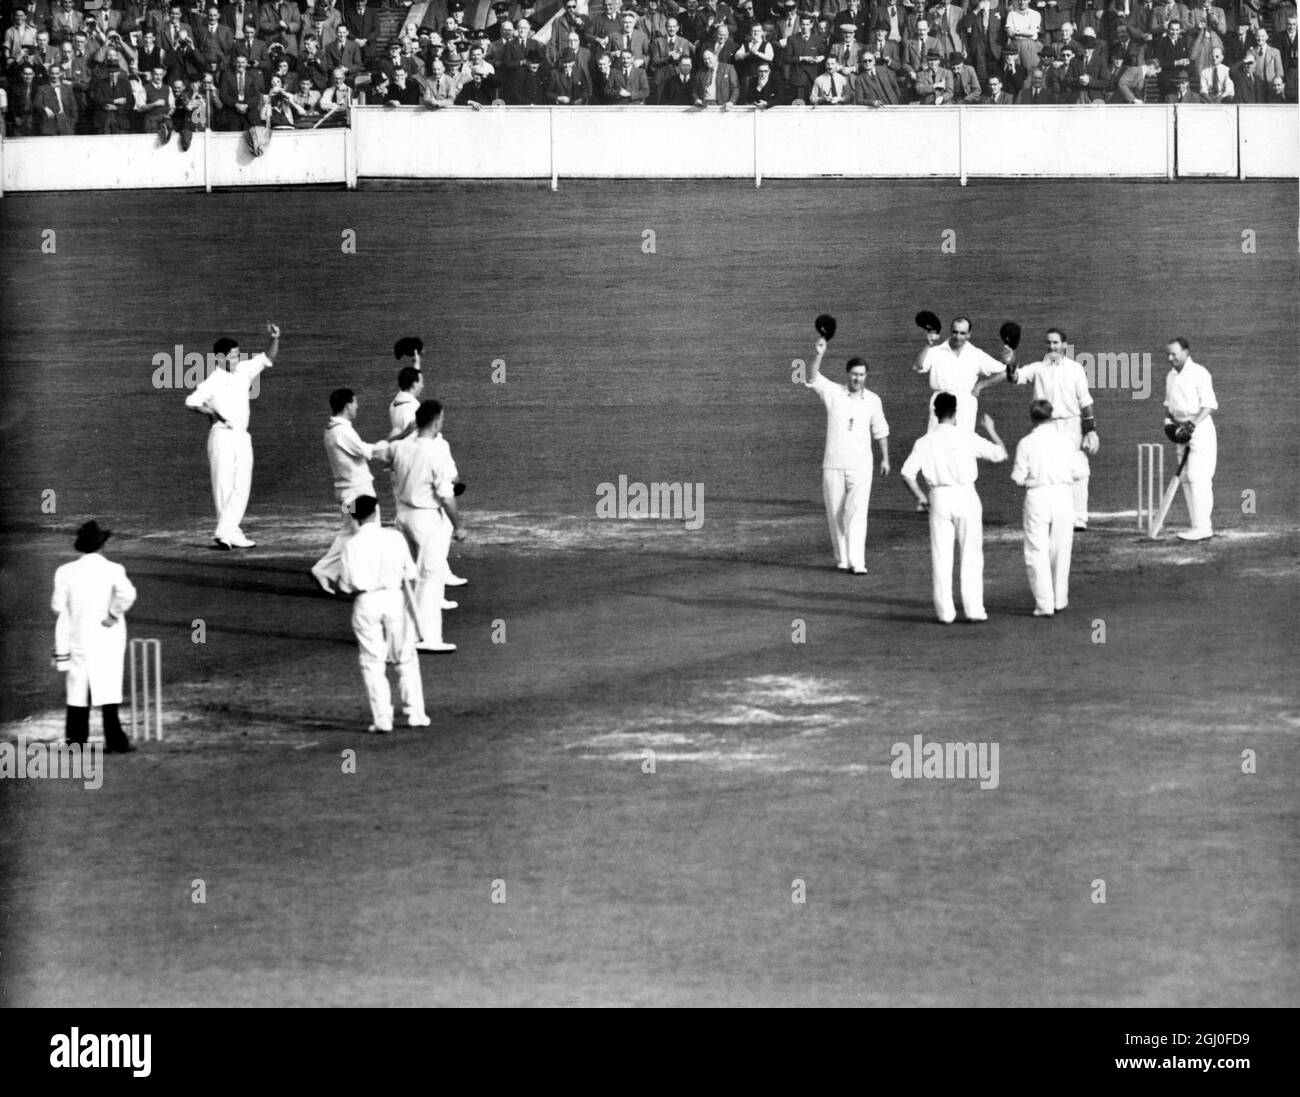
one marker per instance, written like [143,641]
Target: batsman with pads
[1062,382]
[1189,422]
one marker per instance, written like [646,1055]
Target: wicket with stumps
[146,700]
[1151,483]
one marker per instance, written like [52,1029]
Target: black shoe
[127,749]
[224,546]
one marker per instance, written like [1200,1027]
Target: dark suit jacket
[256,53]
[1046,97]
[364,25]
[751,93]
[673,93]
[976,42]
[227,91]
[215,45]
[728,90]
[46,96]
[879,86]
[1249,89]
[635,81]
[576,87]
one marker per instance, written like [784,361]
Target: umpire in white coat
[91,597]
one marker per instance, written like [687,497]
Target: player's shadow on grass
[251,629]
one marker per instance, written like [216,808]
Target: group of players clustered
[399,576]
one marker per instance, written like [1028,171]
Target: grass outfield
[1119,761]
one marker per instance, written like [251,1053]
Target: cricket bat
[1167,500]
[409,595]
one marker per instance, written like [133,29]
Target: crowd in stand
[110,66]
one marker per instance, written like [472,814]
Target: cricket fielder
[91,597]
[424,477]
[854,417]
[1046,466]
[373,565]
[348,456]
[1062,382]
[223,397]
[1189,404]
[957,367]
[947,457]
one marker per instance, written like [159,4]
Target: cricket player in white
[348,456]
[1189,398]
[424,477]
[223,397]
[854,417]
[373,565]
[91,597]
[1046,466]
[957,367]
[947,457]
[1062,382]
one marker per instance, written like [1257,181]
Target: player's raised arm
[929,323]
[815,366]
[274,348]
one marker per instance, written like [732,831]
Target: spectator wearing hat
[91,598]
[855,12]
[934,82]
[110,96]
[715,84]
[1247,85]
[567,85]
[582,59]
[281,21]
[981,34]
[363,21]
[1023,27]
[965,81]
[321,19]
[1036,93]
[1088,38]
[678,90]
[665,52]
[532,83]
[502,12]
[345,54]
[1183,92]
[874,85]
[886,53]
[1014,75]
[1086,76]
[1087,18]
[844,48]
[805,53]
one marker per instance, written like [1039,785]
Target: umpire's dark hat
[90,538]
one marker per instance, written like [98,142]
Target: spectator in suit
[695,21]
[1086,77]
[240,90]
[174,32]
[20,107]
[54,106]
[945,22]
[981,35]
[761,90]
[480,90]
[311,66]
[581,57]
[439,87]
[110,95]
[214,42]
[345,54]
[724,49]
[1088,39]
[1013,74]
[886,53]
[965,82]
[1237,44]
[281,21]
[844,48]
[1182,92]
[1268,59]
[996,96]
[1278,92]
[568,86]
[1287,46]
[530,87]
[1175,56]
[569,23]
[1036,93]
[831,88]
[239,12]
[654,20]
[715,84]
[1206,27]
[678,90]
[856,13]
[403,89]
[363,22]
[395,61]
[251,48]
[1140,83]
[602,30]
[321,19]
[805,53]
[603,92]
[665,52]
[65,21]
[934,78]
[1216,79]
[629,84]
[1248,86]
[632,39]
[874,85]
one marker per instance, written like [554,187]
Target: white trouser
[967,406]
[230,459]
[428,532]
[1072,428]
[379,620]
[1049,540]
[1198,475]
[956,513]
[329,566]
[847,493]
